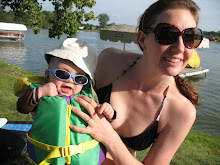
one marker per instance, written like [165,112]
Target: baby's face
[67,88]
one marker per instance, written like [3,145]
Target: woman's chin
[172,72]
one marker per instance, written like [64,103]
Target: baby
[70,69]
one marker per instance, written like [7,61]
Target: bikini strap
[125,71]
[164,100]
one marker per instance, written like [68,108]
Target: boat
[193,67]
[12,31]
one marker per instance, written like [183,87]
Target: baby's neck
[68,98]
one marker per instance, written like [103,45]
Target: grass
[9,74]
[197,149]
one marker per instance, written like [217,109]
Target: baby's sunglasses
[167,34]
[65,76]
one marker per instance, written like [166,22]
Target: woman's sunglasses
[167,34]
[65,76]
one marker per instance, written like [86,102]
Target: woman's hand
[98,126]
[100,129]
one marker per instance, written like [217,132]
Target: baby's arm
[28,102]
[49,89]
[107,110]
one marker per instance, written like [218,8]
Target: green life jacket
[51,141]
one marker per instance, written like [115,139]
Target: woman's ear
[141,37]
[47,75]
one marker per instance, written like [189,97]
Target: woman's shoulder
[111,63]
[181,112]
[121,58]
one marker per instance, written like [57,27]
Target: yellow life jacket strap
[56,151]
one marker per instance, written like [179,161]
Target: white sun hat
[78,52]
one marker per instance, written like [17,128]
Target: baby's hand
[49,89]
[107,110]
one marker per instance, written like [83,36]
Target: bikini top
[148,136]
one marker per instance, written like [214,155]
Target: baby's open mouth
[66,89]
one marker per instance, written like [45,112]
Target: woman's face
[67,88]
[169,59]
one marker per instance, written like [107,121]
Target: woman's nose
[178,45]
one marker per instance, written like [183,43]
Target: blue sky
[128,11]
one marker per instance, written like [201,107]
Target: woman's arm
[109,160]
[179,120]
[110,64]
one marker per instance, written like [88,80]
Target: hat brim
[67,55]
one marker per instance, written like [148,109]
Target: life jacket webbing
[56,151]
[69,109]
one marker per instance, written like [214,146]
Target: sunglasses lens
[62,74]
[166,34]
[81,80]
[192,37]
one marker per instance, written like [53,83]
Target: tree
[103,19]
[6,16]
[68,14]
[113,23]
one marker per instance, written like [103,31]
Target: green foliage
[6,16]
[103,19]
[213,36]
[65,19]
[113,23]
[25,7]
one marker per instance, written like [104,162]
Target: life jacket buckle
[72,150]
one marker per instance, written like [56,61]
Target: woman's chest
[135,112]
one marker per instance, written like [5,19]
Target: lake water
[29,54]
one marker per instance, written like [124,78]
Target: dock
[193,71]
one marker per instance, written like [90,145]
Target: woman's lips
[174,60]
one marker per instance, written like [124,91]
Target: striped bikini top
[147,137]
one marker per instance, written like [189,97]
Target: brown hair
[187,90]
[150,15]
[148,18]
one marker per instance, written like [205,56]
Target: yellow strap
[67,143]
[65,151]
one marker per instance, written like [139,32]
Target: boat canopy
[12,26]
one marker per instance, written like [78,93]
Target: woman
[146,115]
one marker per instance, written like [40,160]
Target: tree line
[62,21]
[24,19]
[212,36]
[45,17]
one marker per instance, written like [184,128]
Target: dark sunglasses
[167,34]
[65,76]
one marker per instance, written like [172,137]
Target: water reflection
[11,44]
[13,52]
[197,81]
